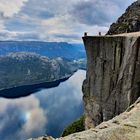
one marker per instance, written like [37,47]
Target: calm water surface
[48,111]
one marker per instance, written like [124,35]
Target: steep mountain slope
[29,68]
[49,49]
[113,76]
[128,22]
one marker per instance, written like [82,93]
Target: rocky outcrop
[128,22]
[113,76]
[23,68]
[112,85]
[123,127]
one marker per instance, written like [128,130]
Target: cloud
[59,20]
[27,36]
[98,12]
[11,7]
[8,9]
[21,118]
[7,35]
[21,36]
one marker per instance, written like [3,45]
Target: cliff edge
[112,85]
[113,76]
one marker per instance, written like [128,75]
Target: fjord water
[48,111]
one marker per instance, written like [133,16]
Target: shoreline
[26,90]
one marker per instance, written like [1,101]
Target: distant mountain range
[49,49]
[24,68]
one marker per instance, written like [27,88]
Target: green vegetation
[76,126]
[123,26]
[24,68]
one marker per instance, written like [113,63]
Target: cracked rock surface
[113,76]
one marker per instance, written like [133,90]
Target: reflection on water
[48,111]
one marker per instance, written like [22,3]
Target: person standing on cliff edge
[85,34]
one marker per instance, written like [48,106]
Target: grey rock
[23,68]
[128,22]
[42,138]
[113,76]
[112,86]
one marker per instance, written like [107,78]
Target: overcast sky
[57,20]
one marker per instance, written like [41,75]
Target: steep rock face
[113,76]
[123,127]
[111,86]
[128,22]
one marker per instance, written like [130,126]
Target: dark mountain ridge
[49,49]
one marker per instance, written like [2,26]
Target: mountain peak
[128,22]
